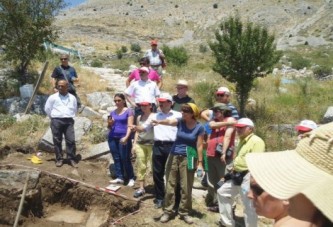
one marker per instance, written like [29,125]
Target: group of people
[291,187]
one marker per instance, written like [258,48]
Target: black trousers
[60,127]
[160,155]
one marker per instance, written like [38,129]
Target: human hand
[123,140]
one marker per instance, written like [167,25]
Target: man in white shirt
[156,58]
[142,90]
[164,137]
[61,107]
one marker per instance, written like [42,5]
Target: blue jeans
[121,157]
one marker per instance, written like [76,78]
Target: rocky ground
[70,196]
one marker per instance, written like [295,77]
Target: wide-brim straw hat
[307,170]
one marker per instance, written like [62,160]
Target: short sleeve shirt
[152,75]
[186,137]
[119,127]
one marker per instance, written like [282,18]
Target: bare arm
[170,122]
[226,141]
[128,81]
[160,83]
[205,115]
[219,124]
[199,150]
[130,100]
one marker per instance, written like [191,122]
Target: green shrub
[6,121]
[204,93]
[96,63]
[119,54]
[135,47]
[203,48]
[124,49]
[322,71]
[176,55]
[97,134]
[299,62]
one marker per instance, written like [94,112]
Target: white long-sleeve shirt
[61,106]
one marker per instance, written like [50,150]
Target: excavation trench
[52,199]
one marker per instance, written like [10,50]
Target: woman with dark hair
[303,176]
[119,140]
[185,156]
[219,150]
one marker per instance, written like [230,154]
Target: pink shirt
[153,75]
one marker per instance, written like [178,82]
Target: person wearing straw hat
[184,158]
[181,97]
[268,206]
[237,181]
[304,176]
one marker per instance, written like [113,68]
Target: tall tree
[243,53]
[24,26]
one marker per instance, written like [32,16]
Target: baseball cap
[153,42]
[220,106]
[144,103]
[165,97]
[223,90]
[182,83]
[244,122]
[144,69]
[306,126]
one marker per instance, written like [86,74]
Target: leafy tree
[243,53]
[24,26]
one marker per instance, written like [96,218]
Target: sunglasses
[181,88]
[186,111]
[220,95]
[256,189]
[117,100]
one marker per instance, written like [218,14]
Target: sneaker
[131,183]
[73,163]
[187,219]
[117,181]
[59,163]
[139,192]
[165,218]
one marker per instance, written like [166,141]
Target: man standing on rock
[68,73]
[61,108]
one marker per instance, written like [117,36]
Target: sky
[72,3]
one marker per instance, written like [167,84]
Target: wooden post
[39,81]
[22,201]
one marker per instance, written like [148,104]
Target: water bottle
[199,172]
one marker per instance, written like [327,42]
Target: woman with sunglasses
[119,140]
[181,162]
[303,176]
[267,205]
[142,146]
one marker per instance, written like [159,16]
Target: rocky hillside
[106,25]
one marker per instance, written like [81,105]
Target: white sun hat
[306,170]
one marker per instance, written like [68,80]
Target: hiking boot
[73,163]
[187,219]
[59,163]
[138,193]
[165,218]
